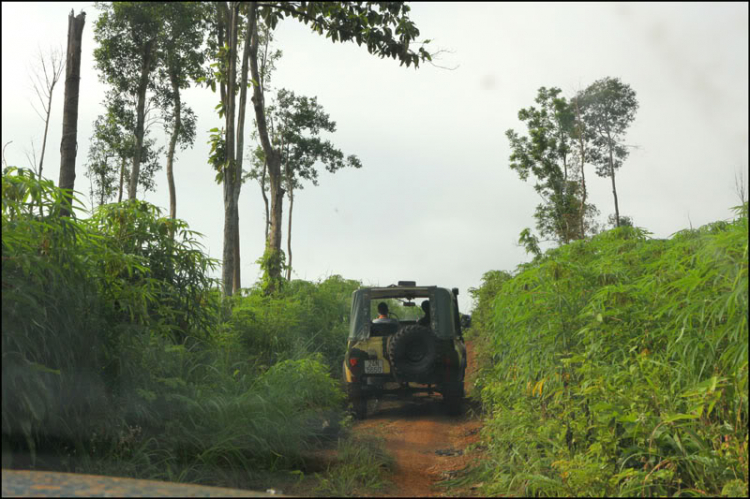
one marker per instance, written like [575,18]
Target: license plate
[373,367]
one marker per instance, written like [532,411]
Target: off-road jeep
[402,357]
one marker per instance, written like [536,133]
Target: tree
[622,220]
[296,123]
[182,38]
[128,35]
[102,165]
[383,27]
[44,79]
[227,145]
[582,136]
[112,147]
[69,144]
[546,153]
[610,109]
[267,59]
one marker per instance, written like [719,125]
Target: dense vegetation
[611,366]
[618,366]
[119,356]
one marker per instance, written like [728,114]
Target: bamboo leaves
[639,346]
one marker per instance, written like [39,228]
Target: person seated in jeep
[383,315]
[425,321]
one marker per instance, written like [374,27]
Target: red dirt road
[427,444]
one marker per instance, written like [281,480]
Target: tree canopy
[545,153]
[609,109]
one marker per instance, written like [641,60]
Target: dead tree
[69,144]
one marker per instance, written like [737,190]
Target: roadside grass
[618,366]
[362,466]
[120,357]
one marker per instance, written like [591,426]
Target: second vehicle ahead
[421,352]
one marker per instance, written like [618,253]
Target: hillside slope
[618,366]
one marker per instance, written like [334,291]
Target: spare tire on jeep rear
[412,351]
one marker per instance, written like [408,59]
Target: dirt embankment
[427,444]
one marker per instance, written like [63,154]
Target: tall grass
[362,465]
[618,366]
[119,357]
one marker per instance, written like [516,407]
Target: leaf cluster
[297,122]
[546,153]
[383,27]
[608,109]
[72,289]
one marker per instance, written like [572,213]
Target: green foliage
[298,121]
[363,464]
[175,273]
[482,320]
[530,242]
[272,264]
[546,154]
[53,319]
[384,27]
[112,144]
[302,319]
[117,360]
[218,155]
[624,221]
[125,32]
[75,291]
[609,107]
[618,366]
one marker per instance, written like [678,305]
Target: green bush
[54,319]
[619,366]
[117,358]
[302,319]
[362,466]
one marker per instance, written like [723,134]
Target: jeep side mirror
[455,291]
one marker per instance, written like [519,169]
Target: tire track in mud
[427,445]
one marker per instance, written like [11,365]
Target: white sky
[435,200]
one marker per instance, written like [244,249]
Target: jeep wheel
[453,398]
[412,351]
[358,401]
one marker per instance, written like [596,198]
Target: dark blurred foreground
[48,484]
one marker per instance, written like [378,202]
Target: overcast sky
[435,200]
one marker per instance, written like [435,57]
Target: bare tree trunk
[582,153]
[583,198]
[140,118]
[44,140]
[236,281]
[173,146]
[46,128]
[69,144]
[274,236]
[273,160]
[230,206]
[265,198]
[104,179]
[614,188]
[122,179]
[45,89]
[289,234]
